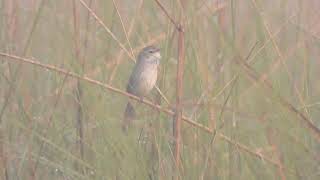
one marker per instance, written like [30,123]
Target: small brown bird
[142,80]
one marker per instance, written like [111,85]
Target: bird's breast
[148,79]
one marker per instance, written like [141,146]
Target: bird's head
[150,54]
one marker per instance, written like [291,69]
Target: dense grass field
[250,94]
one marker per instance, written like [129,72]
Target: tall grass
[248,93]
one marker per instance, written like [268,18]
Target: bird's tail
[129,116]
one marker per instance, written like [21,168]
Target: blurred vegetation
[57,127]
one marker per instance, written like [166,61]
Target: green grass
[39,136]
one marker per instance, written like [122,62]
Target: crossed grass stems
[68,74]
[214,132]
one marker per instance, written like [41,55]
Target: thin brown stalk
[271,135]
[177,26]
[85,44]
[78,90]
[179,92]
[107,29]
[79,87]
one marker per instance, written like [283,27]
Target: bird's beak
[157,54]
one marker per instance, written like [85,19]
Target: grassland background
[40,109]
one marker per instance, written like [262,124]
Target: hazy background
[54,126]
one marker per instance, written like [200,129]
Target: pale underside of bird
[142,79]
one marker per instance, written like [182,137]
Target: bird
[142,80]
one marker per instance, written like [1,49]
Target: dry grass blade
[253,75]
[123,27]
[177,26]
[107,29]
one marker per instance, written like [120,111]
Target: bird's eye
[150,51]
